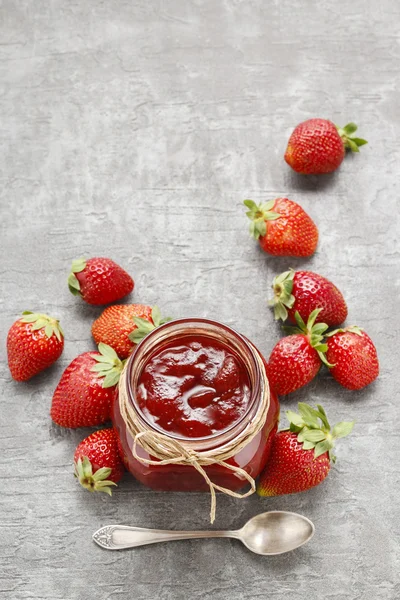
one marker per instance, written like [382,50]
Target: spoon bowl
[269,533]
[276,532]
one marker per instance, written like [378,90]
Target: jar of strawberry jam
[199,383]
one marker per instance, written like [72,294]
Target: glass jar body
[251,458]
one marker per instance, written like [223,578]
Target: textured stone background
[134,129]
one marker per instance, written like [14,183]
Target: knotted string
[169,451]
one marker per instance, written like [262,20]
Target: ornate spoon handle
[118,537]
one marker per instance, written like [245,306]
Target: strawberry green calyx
[350,142]
[313,430]
[143,327]
[314,331]
[283,297]
[258,215]
[94,482]
[352,329]
[39,321]
[73,283]
[109,365]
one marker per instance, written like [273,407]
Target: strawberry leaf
[359,141]
[102,473]
[323,417]
[111,379]
[352,145]
[271,216]
[312,435]
[73,283]
[294,418]
[108,365]
[143,326]
[308,445]
[308,414]
[259,215]
[96,482]
[350,128]
[78,265]
[101,367]
[313,430]
[300,322]
[283,298]
[41,321]
[342,429]
[322,447]
[349,140]
[107,352]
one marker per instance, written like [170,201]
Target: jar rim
[145,348]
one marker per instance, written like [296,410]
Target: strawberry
[34,342]
[282,227]
[86,389]
[354,357]
[318,146]
[98,465]
[304,291]
[99,280]
[296,358]
[124,325]
[301,456]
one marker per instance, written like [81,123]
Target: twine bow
[169,451]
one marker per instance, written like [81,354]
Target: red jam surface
[194,387]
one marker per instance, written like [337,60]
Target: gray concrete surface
[134,130]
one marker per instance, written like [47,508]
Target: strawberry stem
[350,142]
[313,430]
[41,321]
[259,214]
[283,297]
[109,365]
[94,482]
[314,331]
[143,326]
[77,266]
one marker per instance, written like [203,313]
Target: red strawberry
[318,146]
[301,457]
[34,342]
[98,465]
[296,359]
[86,389]
[304,291]
[124,325]
[282,227]
[354,357]
[99,280]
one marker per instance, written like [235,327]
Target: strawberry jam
[201,383]
[194,387]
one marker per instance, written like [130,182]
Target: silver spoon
[269,533]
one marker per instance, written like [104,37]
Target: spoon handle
[118,537]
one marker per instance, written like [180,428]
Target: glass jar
[251,458]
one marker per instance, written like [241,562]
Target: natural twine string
[170,451]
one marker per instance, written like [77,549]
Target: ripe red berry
[282,227]
[123,325]
[87,388]
[296,359]
[304,291]
[34,342]
[99,280]
[301,457]
[98,465]
[353,357]
[318,146]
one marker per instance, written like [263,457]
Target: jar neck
[173,331]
